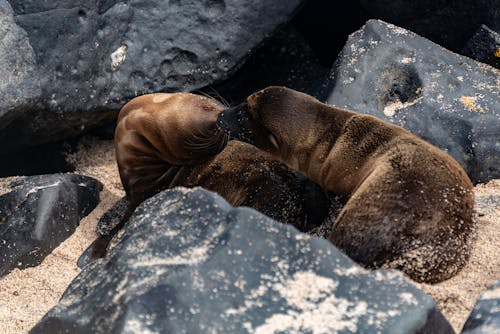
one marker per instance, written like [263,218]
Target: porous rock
[484,46]
[18,76]
[447,23]
[284,60]
[92,57]
[485,316]
[449,100]
[39,213]
[187,262]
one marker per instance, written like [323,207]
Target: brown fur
[409,205]
[158,134]
[168,140]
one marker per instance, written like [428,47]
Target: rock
[315,21]
[187,262]
[449,100]
[93,57]
[18,76]
[447,23]
[39,213]
[284,60]
[484,46]
[485,317]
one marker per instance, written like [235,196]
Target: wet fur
[409,205]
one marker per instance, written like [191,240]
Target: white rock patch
[318,310]
[118,57]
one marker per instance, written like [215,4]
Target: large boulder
[18,76]
[484,46]
[39,213]
[485,317]
[187,262]
[448,23]
[283,60]
[447,99]
[92,57]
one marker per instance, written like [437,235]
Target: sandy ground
[26,295]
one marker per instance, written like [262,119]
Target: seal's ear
[238,123]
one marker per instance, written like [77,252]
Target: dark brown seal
[409,205]
[168,140]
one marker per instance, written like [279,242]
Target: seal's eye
[273,141]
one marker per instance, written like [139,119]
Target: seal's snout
[236,121]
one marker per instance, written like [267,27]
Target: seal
[159,134]
[408,205]
[167,140]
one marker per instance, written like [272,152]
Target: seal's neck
[316,142]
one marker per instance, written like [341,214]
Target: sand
[26,295]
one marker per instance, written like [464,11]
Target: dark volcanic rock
[449,100]
[485,317]
[39,213]
[484,46]
[92,57]
[188,262]
[284,60]
[448,23]
[19,84]
[318,19]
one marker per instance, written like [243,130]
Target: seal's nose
[221,122]
[233,120]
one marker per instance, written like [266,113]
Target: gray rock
[447,23]
[39,213]
[449,100]
[18,76]
[187,262]
[484,46]
[485,317]
[92,57]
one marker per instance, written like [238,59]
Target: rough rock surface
[284,60]
[39,213]
[448,23]
[92,57]
[18,75]
[187,262]
[484,46]
[449,100]
[485,317]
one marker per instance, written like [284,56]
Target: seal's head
[157,134]
[179,129]
[270,119]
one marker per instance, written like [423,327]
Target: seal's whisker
[220,98]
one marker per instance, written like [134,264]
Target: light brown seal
[168,140]
[409,205]
[157,134]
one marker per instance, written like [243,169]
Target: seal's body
[409,205]
[168,140]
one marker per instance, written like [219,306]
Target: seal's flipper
[96,250]
[109,224]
